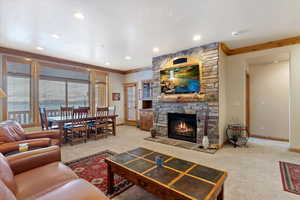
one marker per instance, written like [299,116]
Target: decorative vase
[205,142]
[153,132]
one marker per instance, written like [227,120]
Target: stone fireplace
[182,126]
[209,103]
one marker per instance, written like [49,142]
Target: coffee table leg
[110,180]
[221,194]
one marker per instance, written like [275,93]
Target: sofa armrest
[32,159]
[14,146]
[54,134]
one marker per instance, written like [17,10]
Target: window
[33,84]
[78,94]
[62,86]
[52,94]
[18,92]
[100,95]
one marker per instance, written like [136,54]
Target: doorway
[130,103]
[267,97]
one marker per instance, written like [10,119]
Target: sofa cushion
[11,131]
[78,189]
[41,180]
[6,174]
[5,193]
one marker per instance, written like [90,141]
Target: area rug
[290,176]
[94,169]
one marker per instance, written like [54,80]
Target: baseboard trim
[120,124]
[270,138]
[294,150]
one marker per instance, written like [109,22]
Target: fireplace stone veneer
[209,55]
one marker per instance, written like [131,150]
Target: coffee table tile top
[123,158]
[193,187]
[207,173]
[162,174]
[191,179]
[154,154]
[139,165]
[179,164]
[140,151]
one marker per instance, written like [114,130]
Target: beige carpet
[253,172]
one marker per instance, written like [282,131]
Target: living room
[149,100]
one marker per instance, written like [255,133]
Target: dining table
[62,120]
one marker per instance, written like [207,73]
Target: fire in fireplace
[182,126]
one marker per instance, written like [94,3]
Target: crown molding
[262,46]
[26,54]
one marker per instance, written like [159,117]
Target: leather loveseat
[39,175]
[12,134]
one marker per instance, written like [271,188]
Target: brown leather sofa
[39,175]
[12,134]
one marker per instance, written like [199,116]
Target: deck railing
[24,117]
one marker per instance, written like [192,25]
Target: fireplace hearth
[182,126]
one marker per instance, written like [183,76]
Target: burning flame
[182,125]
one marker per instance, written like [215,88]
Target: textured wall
[209,55]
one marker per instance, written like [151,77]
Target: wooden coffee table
[176,179]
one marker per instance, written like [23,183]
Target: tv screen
[180,80]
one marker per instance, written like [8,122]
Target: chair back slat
[66,112]
[79,116]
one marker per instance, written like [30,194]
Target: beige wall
[235,88]
[222,97]
[269,100]
[138,77]
[116,86]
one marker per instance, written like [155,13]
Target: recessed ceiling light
[107,63]
[78,15]
[27,59]
[127,58]
[235,33]
[40,48]
[155,49]
[197,37]
[55,36]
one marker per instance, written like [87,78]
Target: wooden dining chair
[45,124]
[43,118]
[78,129]
[99,128]
[85,108]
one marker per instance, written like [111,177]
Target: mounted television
[180,80]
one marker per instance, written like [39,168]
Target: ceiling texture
[114,29]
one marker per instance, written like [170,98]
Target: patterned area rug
[94,169]
[290,176]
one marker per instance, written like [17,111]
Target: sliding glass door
[19,104]
[33,84]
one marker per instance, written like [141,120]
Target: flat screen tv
[180,80]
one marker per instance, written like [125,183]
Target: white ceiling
[113,29]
